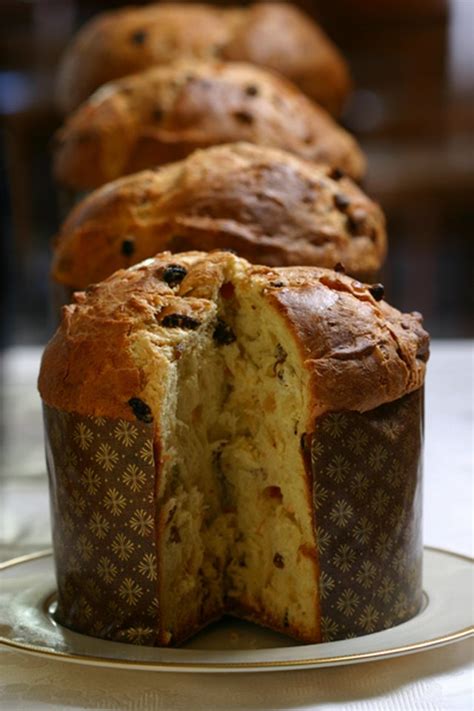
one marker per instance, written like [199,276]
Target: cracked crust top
[164,113]
[269,206]
[274,35]
[360,352]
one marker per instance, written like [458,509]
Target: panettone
[223,437]
[269,206]
[274,35]
[164,113]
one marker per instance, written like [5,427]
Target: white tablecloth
[436,680]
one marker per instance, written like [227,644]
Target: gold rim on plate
[220,666]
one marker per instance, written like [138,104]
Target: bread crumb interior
[234,499]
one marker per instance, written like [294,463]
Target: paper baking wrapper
[367,472]
[367,495]
[102,487]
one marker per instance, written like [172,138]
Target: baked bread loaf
[274,35]
[267,205]
[189,404]
[164,113]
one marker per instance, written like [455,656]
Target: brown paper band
[102,485]
[367,495]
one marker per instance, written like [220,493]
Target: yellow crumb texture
[235,529]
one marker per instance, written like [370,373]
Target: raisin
[174,536]
[139,37]
[251,90]
[336,174]
[141,410]
[423,351]
[356,222]
[223,333]
[171,513]
[273,492]
[243,117]
[341,201]
[377,291]
[128,247]
[227,290]
[277,284]
[304,441]
[174,274]
[278,560]
[180,321]
[339,267]
[280,357]
[280,354]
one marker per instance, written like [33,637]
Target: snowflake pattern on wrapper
[103,504]
[366,491]
[367,497]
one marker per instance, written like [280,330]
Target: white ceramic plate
[27,594]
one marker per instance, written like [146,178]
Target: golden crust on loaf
[275,35]
[269,206]
[164,113]
[360,352]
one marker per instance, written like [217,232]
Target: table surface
[439,679]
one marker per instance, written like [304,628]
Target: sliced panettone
[164,113]
[187,390]
[273,35]
[269,206]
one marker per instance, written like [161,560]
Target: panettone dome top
[360,352]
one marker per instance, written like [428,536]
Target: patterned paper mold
[367,496]
[366,471]
[102,485]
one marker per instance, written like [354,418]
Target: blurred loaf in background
[274,35]
[266,205]
[162,114]
[411,110]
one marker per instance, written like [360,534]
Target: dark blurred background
[412,110]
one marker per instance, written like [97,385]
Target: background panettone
[164,113]
[233,378]
[274,35]
[267,205]
[411,110]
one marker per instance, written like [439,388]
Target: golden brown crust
[267,205]
[360,352]
[63,381]
[275,35]
[98,329]
[279,36]
[164,113]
